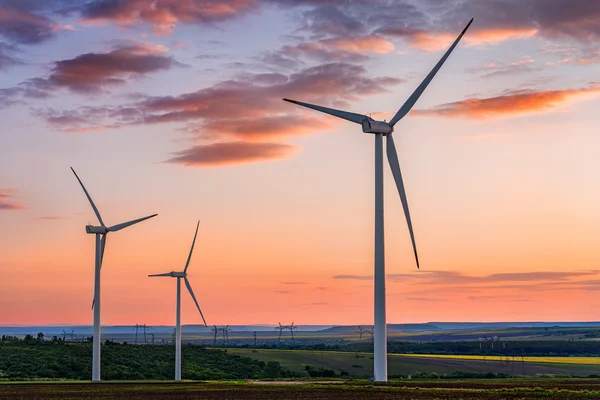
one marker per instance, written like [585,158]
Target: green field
[361,364]
[407,389]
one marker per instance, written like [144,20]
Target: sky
[174,107]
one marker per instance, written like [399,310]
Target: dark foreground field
[432,389]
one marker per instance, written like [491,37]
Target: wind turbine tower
[180,276]
[381,129]
[101,233]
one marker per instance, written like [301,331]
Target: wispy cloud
[231,153]
[425,299]
[458,278]
[496,69]
[8,199]
[164,15]
[242,119]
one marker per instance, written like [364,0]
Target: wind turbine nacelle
[95,229]
[372,126]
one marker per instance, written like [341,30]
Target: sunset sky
[174,107]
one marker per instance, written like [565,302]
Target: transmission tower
[216,331]
[226,331]
[137,328]
[282,328]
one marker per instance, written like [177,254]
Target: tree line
[36,358]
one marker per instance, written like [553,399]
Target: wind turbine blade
[410,102]
[187,283]
[395,166]
[187,264]
[102,247]
[118,227]
[89,198]
[352,117]
[165,274]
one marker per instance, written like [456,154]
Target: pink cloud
[164,15]
[8,201]
[231,153]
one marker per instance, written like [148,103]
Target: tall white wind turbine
[380,129]
[101,233]
[179,276]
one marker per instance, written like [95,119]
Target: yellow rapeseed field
[560,360]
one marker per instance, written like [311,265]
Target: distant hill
[347,329]
[163,330]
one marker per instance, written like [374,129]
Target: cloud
[458,278]
[264,128]
[354,277]
[513,103]
[424,299]
[282,291]
[350,49]
[428,26]
[90,72]
[22,26]
[7,59]
[8,201]
[241,118]
[293,283]
[232,153]
[164,15]
[319,303]
[495,69]
[52,218]
[583,58]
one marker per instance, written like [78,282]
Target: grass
[407,389]
[405,364]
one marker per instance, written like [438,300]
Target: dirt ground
[518,389]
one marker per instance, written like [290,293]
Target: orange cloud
[426,40]
[521,102]
[232,153]
[164,15]
[7,200]
[256,129]
[498,35]
[363,44]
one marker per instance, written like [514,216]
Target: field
[405,364]
[439,389]
[553,360]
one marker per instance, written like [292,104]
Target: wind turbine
[179,276]
[101,233]
[380,129]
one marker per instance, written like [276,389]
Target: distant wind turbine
[380,129]
[183,275]
[101,233]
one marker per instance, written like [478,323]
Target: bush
[272,370]
[48,359]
